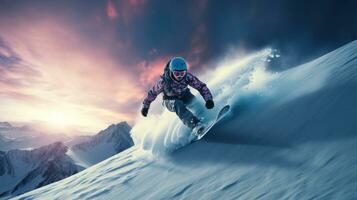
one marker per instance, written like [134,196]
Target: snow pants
[179,105]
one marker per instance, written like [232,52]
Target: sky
[88,64]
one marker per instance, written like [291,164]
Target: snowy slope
[290,135]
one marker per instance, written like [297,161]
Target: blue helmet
[178,64]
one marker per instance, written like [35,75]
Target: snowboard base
[220,116]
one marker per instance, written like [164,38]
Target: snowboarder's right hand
[209,104]
[144,111]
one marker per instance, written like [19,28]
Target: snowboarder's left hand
[144,111]
[209,104]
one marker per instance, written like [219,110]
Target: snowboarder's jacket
[173,89]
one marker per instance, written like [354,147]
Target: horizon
[44,127]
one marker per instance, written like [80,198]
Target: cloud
[14,72]
[111,10]
[150,71]
[198,47]
[130,9]
[125,9]
[66,69]
[4,53]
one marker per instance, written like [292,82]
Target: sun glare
[67,121]
[59,119]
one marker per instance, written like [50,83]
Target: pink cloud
[5,52]
[125,9]
[111,10]
[151,70]
[136,3]
[130,9]
[68,70]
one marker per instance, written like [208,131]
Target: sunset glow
[88,64]
[58,118]
[58,75]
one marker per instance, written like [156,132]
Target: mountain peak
[108,142]
[121,125]
[5,125]
[30,169]
[114,130]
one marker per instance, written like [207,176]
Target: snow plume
[235,79]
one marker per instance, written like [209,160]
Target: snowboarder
[173,83]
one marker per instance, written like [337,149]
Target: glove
[144,111]
[209,104]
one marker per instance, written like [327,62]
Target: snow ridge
[106,143]
[26,170]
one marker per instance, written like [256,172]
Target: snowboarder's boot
[198,129]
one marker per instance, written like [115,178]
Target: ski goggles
[179,73]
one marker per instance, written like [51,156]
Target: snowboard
[220,116]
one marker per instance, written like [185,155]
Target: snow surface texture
[290,135]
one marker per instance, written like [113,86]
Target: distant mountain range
[24,170]
[5,125]
[25,137]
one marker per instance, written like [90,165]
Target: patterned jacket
[176,89]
